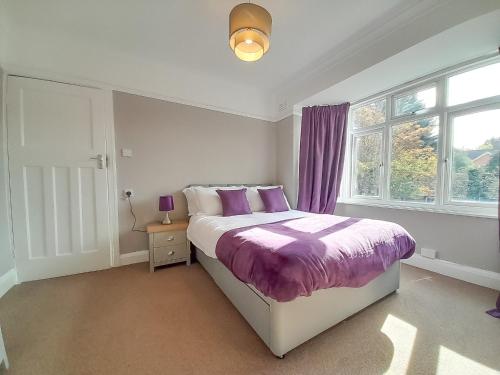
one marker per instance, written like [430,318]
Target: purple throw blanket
[293,258]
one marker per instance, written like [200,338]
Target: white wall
[287,164]
[175,145]
[6,261]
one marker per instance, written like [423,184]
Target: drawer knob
[171,252]
[171,238]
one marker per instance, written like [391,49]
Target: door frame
[6,175]
[111,172]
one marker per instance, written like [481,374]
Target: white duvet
[204,230]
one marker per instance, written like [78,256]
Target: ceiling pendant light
[249,31]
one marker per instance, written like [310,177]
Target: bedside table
[168,244]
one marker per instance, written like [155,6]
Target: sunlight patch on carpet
[450,362]
[402,335]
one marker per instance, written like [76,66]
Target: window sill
[491,213]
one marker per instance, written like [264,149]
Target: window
[369,114]
[368,156]
[475,156]
[474,84]
[414,160]
[410,104]
[416,153]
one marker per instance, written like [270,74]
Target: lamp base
[167,220]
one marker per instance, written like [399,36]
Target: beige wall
[6,261]
[466,240]
[287,163]
[176,145]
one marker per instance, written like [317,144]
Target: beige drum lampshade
[249,31]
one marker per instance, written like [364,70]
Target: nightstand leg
[151,253]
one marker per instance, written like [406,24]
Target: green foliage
[414,163]
[409,104]
[370,114]
[494,164]
[475,182]
[461,161]
[367,166]
[491,144]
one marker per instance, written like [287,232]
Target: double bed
[279,270]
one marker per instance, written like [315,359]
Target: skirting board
[7,281]
[472,275]
[134,257]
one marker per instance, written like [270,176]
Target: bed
[282,320]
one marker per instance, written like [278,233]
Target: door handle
[101,161]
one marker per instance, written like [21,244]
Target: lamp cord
[135,218]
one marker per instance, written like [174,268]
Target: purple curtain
[322,148]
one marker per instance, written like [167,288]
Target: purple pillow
[234,202]
[274,199]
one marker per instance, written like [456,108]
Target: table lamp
[166,204]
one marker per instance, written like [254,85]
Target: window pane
[414,160]
[475,84]
[369,115]
[414,102]
[367,156]
[475,158]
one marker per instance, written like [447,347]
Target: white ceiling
[194,34]
[178,49]
[472,39]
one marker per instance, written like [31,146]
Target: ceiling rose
[249,31]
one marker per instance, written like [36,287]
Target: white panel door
[59,192]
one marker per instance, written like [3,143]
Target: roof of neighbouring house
[474,154]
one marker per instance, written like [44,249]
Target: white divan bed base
[285,325]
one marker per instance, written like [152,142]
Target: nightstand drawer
[165,254]
[170,238]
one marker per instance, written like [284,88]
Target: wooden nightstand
[168,244]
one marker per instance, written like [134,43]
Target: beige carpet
[176,321]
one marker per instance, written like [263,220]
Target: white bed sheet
[204,230]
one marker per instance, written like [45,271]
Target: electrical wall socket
[128,193]
[126,152]
[428,253]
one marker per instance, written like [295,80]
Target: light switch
[126,152]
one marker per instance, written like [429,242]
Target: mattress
[204,231]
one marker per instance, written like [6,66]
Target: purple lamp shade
[167,203]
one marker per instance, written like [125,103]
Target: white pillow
[208,201]
[256,203]
[191,201]
[254,199]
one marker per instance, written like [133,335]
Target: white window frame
[372,130]
[443,202]
[414,90]
[448,201]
